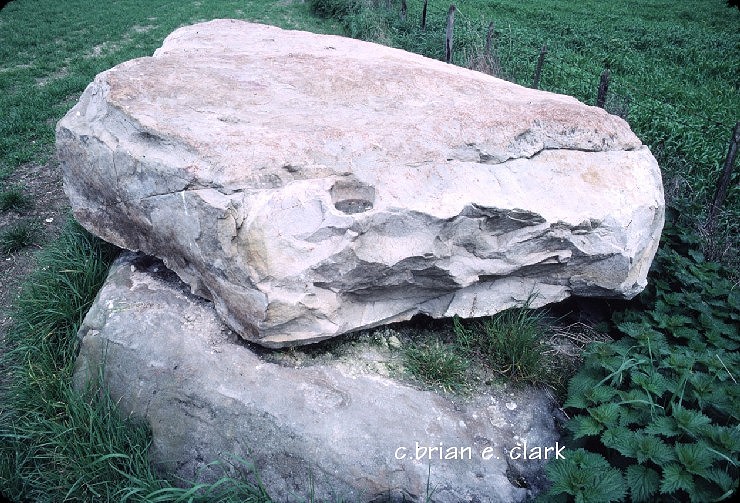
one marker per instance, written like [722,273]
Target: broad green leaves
[662,403]
[643,482]
[588,477]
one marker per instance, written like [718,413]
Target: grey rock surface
[312,185]
[338,424]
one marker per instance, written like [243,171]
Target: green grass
[512,347]
[512,344]
[18,236]
[14,198]
[437,365]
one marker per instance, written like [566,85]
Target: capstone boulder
[312,185]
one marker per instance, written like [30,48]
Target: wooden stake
[538,68]
[448,37]
[424,16]
[723,184]
[603,88]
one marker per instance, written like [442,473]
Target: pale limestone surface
[311,185]
[335,426]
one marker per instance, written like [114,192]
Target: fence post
[448,37]
[424,16]
[723,184]
[538,69]
[603,88]
[403,10]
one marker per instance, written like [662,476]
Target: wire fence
[519,61]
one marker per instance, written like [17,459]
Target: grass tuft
[19,236]
[516,346]
[14,198]
[512,343]
[437,365]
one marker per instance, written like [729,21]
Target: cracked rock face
[311,185]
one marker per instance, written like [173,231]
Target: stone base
[334,426]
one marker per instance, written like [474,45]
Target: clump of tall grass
[515,346]
[14,198]
[437,365]
[18,236]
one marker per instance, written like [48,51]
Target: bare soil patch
[49,209]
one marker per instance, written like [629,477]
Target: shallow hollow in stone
[352,196]
[313,185]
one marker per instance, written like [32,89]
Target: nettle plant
[655,413]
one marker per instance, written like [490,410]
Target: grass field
[675,70]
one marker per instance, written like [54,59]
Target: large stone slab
[334,426]
[311,185]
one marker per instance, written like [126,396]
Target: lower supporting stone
[336,428]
